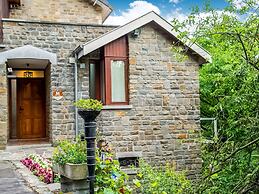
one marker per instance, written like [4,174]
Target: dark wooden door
[31,108]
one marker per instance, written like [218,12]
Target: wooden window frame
[108,84]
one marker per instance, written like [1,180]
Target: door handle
[21,108]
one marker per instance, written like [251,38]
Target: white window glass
[118,81]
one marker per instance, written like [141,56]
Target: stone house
[54,53]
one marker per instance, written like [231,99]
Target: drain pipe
[76,94]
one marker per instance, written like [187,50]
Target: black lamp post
[89,117]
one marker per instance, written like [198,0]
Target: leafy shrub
[110,179]
[89,104]
[160,180]
[70,152]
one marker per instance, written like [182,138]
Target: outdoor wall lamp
[10,70]
[136,33]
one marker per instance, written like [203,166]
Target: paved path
[15,178]
[10,181]
[19,152]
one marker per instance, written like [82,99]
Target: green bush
[89,104]
[73,152]
[160,180]
[110,179]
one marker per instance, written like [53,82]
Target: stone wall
[48,103]
[163,124]
[83,88]
[62,40]
[75,11]
[3,106]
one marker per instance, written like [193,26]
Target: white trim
[129,27]
[107,9]
[117,107]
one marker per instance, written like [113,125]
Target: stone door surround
[17,58]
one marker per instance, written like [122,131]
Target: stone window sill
[130,171]
[128,155]
[117,107]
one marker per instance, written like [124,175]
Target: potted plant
[88,109]
[69,159]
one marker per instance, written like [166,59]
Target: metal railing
[215,125]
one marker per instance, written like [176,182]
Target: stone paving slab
[19,152]
[10,181]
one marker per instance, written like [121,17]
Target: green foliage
[89,104]
[73,152]
[160,180]
[230,93]
[110,179]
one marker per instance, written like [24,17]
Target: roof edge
[107,8]
[134,24]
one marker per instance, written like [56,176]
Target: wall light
[136,33]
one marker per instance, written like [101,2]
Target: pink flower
[109,158]
[40,167]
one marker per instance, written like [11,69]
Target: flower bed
[41,167]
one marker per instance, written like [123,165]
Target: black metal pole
[89,117]
[90,136]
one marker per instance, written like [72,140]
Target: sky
[127,10]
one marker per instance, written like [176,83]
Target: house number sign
[57,94]
[28,74]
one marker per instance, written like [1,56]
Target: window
[109,77]
[118,81]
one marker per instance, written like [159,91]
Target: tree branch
[231,155]
[241,148]
[245,52]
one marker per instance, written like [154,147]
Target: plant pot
[72,171]
[88,115]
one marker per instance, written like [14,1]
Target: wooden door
[31,108]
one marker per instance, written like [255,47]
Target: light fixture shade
[136,33]
[10,70]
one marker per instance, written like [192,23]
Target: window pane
[94,80]
[118,81]
[92,83]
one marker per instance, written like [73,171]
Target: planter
[72,171]
[88,115]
